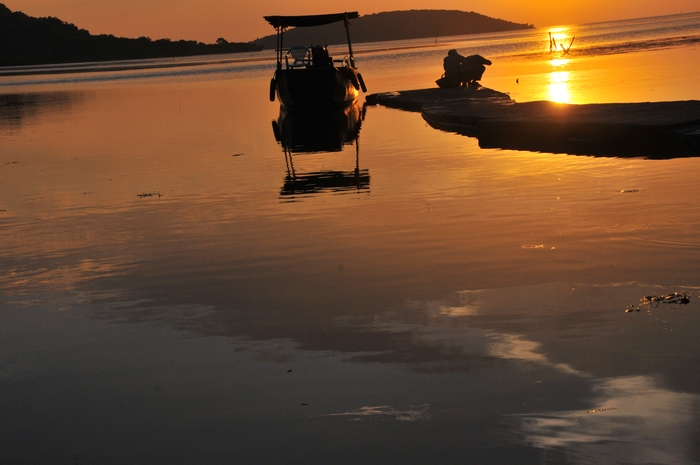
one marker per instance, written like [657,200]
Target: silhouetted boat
[308,76]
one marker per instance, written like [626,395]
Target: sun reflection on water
[559,39]
[559,87]
[559,62]
[559,32]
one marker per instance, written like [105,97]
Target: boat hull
[316,87]
[319,129]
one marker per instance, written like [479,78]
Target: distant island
[397,25]
[25,40]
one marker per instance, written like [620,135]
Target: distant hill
[396,25]
[25,40]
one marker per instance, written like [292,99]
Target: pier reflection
[325,130]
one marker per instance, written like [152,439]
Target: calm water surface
[174,290]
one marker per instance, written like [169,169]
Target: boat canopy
[309,20]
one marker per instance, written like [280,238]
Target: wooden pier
[653,129]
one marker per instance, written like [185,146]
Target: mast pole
[347,32]
[280,44]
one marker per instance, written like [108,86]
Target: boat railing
[315,56]
[345,61]
[301,57]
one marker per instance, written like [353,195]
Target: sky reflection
[629,419]
[634,421]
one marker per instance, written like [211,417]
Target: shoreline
[120,65]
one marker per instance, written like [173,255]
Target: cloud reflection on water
[413,413]
[634,421]
[440,330]
[631,418]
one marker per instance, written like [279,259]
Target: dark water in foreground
[174,288]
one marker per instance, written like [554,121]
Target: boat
[307,76]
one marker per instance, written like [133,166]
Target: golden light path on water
[558,88]
[561,36]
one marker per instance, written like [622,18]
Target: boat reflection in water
[320,130]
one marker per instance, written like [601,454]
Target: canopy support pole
[347,33]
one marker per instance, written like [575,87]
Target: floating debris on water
[532,246]
[652,301]
[674,298]
[602,410]
[149,194]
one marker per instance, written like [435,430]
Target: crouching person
[450,64]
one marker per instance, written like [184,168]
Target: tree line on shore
[25,40]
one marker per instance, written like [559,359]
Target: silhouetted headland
[398,25]
[25,40]
[651,129]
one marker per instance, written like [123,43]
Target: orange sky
[241,20]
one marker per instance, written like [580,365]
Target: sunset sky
[241,20]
